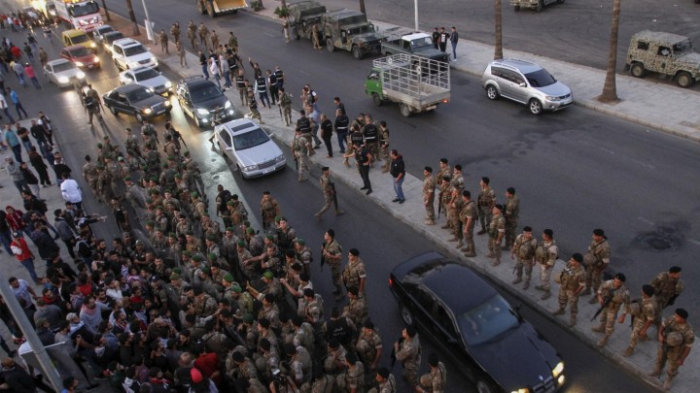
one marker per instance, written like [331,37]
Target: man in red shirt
[24,255]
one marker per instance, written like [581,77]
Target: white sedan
[248,147]
[148,78]
[63,72]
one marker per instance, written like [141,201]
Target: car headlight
[250,168]
[167,103]
[227,104]
[202,112]
[93,45]
[79,63]
[97,60]
[279,158]
[148,111]
[551,98]
[63,79]
[80,75]
[558,370]
[154,60]
[525,390]
[150,89]
[168,84]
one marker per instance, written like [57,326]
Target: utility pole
[415,11]
[104,6]
[47,368]
[149,29]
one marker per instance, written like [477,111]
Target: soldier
[429,195]
[383,144]
[596,260]
[371,135]
[457,181]
[354,274]
[676,338]
[356,310]
[444,199]
[132,144]
[436,379]
[511,214]
[269,208]
[329,194]
[497,229]
[315,36]
[573,280]
[285,102]
[369,346]
[668,286]
[523,251]
[163,40]
[408,353]
[644,313]
[232,41]
[181,53]
[454,207]
[386,382]
[175,32]
[90,173]
[468,217]
[444,168]
[214,39]
[485,202]
[203,35]
[546,255]
[300,149]
[253,107]
[332,254]
[612,295]
[192,35]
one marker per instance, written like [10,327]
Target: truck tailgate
[229,5]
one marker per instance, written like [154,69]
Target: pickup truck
[402,40]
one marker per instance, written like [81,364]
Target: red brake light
[391,282]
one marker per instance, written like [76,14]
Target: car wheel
[357,52]
[113,110]
[139,117]
[406,315]
[539,5]
[684,79]
[492,92]
[376,99]
[483,386]
[638,70]
[405,110]
[329,45]
[535,106]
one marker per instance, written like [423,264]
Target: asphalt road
[382,241]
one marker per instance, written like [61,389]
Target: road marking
[646,220]
[696,242]
[612,153]
[644,164]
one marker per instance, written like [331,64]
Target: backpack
[225,196]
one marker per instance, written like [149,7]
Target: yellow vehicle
[216,7]
[78,37]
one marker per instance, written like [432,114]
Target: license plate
[430,108]
[267,170]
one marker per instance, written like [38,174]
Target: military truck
[403,40]
[416,83]
[667,54]
[536,5]
[216,7]
[350,31]
[302,16]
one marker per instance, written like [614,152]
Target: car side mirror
[523,84]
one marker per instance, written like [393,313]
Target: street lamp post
[415,11]
[149,30]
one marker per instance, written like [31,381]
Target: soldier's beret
[278,219]
[548,232]
[189,232]
[236,288]
[354,252]
[177,270]
[171,234]
[197,258]
[674,269]
[211,237]
[230,203]
[211,255]
[186,153]
[325,168]
[247,224]
[268,274]
[237,357]
[499,207]
[165,165]
[178,176]
[599,232]
[174,277]
[250,230]
[206,270]
[648,289]
[443,160]
[241,243]
[527,229]
[577,257]
[149,200]
[187,253]
[230,229]
[681,312]
[248,318]
[301,241]
[99,145]
[154,179]
[269,237]
[228,277]
[150,223]
[127,178]
[194,194]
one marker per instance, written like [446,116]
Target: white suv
[129,53]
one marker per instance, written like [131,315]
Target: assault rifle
[393,354]
[335,196]
[606,301]
[323,257]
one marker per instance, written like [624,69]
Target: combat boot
[599,329]
[526,285]
[558,311]
[667,382]
[547,294]
[446,226]
[517,280]
[572,320]
[481,232]
[459,244]
[656,371]
[585,292]
[603,341]
[539,288]
[339,212]
[628,352]
[469,253]
[454,239]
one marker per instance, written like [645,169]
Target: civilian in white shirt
[71,192]
[22,290]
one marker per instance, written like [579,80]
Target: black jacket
[397,167]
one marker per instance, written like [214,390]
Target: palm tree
[132,16]
[362,7]
[610,88]
[499,32]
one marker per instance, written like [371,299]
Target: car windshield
[79,39]
[138,95]
[205,92]
[250,139]
[540,78]
[84,9]
[486,321]
[63,67]
[361,30]
[113,37]
[422,42]
[79,52]
[134,50]
[146,74]
[682,46]
[104,30]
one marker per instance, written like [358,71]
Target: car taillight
[391,282]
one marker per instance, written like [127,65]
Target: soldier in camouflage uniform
[667,287]
[455,206]
[328,192]
[353,379]
[485,202]
[214,39]
[436,380]
[468,217]
[285,103]
[333,253]
[511,214]
[175,32]
[300,149]
[369,346]
[203,35]
[386,382]
[163,40]
[192,35]
[384,146]
[619,296]
[444,198]
[596,260]
[356,310]
[203,305]
[523,251]
[429,195]
[676,338]
[644,313]
[573,280]
[354,274]
[408,353]
[90,173]
[546,255]
[497,229]
[269,209]
[445,169]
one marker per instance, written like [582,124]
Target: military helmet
[674,339]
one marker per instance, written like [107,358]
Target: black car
[203,101]
[472,323]
[137,100]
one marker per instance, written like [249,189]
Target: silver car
[247,146]
[63,72]
[147,77]
[527,83]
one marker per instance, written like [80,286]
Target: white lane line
[646,220]
[696,242]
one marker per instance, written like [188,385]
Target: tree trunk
[132,17]
[362,7]
[283,4]
[498,53]
[104,6]
[610,87]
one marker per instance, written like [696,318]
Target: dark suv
[203,101]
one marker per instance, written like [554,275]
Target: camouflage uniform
[672,354]
[409,355]
[444,198]
[356,310]
[454,208]
[175,32]
[204,305]
[546,255]
[524,252]
[286,104]
[388,386]
[353,378]
[429,198]
[573,279]
[497,228]
[620,297]
[91,175]
[469,211]
[666,288]
[643,311]
[367,346]
[485,201]
[353,273]
[163,40]
[328,194]
[334,248]
[511,213]
[203,35]
[436,380]
[596,260]
[300,148]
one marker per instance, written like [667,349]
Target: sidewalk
[412,212]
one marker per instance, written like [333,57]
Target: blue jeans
[6,240]
[227,80]
[454,50]
[9,116]
[397,188]
[205,72]
[341,141]
[27,145]
[29,265]
[17,151]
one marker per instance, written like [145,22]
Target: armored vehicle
[350,31]
[403,40]
[302,16]
[664,53]
[216,7]
[536,5]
